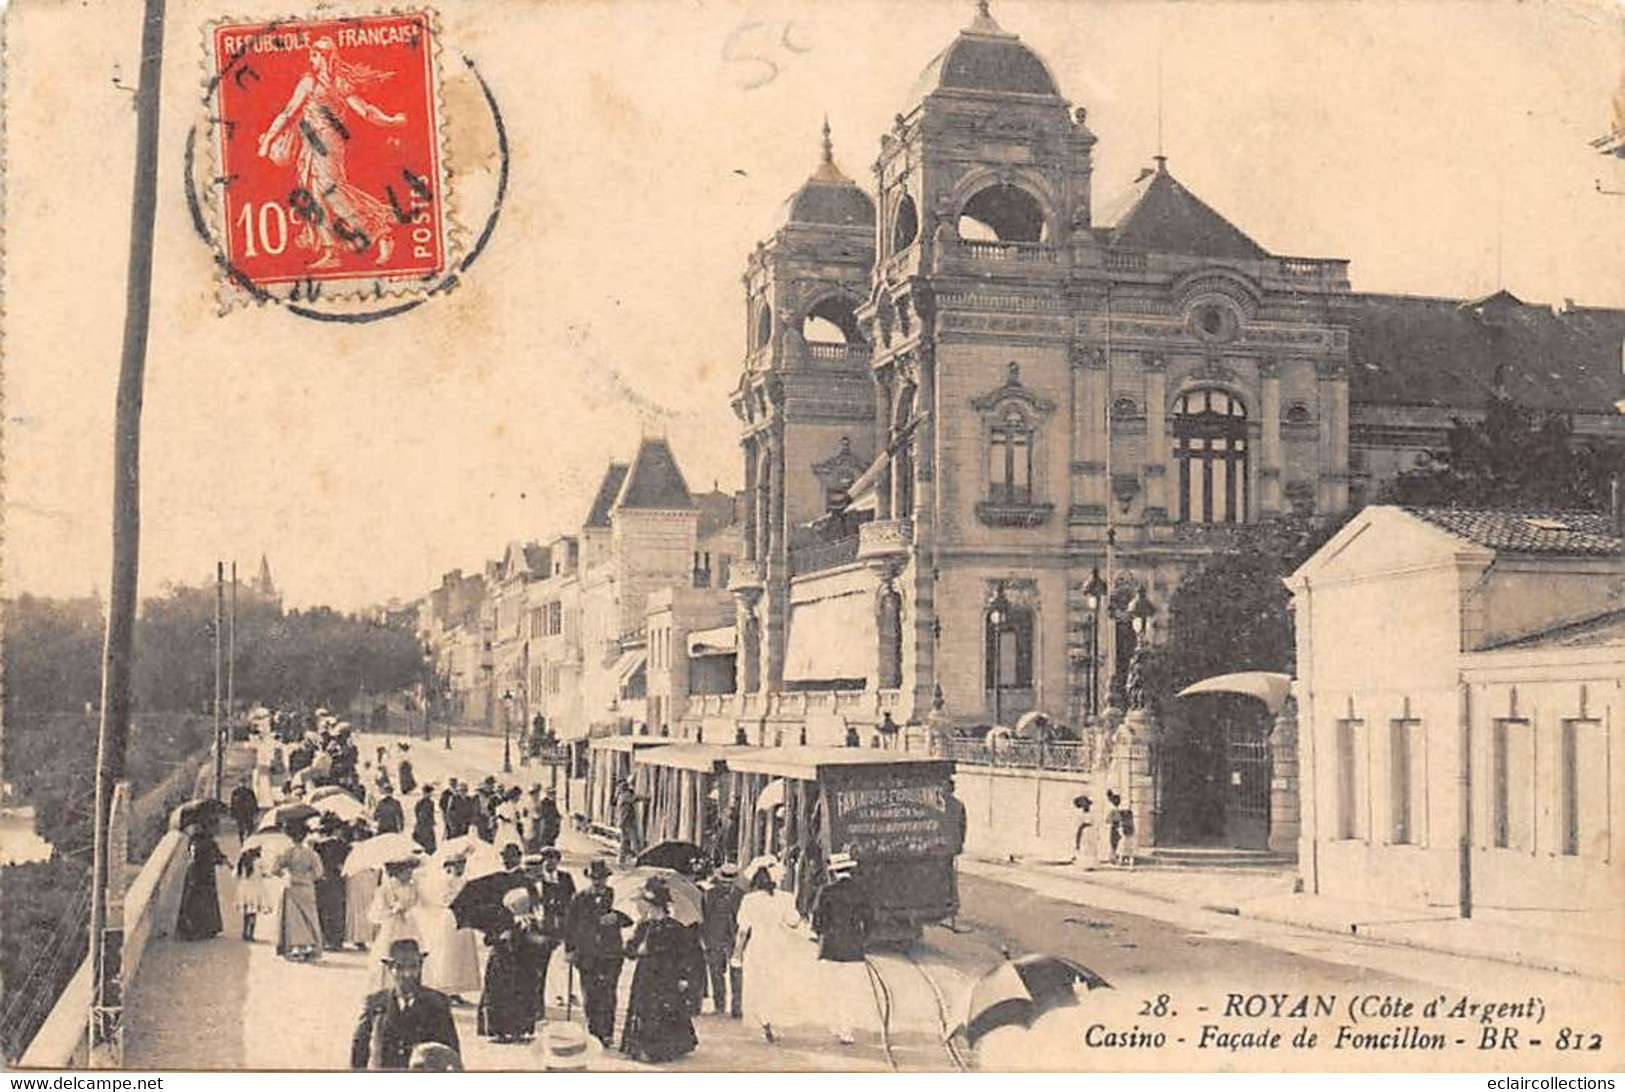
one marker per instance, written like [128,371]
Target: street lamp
[998,614]
[445,711]
[1094,597]
[507,718]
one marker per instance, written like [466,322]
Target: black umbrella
[479,904]
[1019,991]
[677,856]
[199,811]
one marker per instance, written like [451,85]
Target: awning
[713,642]
[628,664]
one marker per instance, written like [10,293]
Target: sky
[1440,147]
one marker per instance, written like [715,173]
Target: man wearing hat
[396,1020]
[558,889]
[719,929]
[387,816]
[549,821]
[593,943]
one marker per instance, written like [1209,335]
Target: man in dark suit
[395,1021]
[719,931]
[387,816]
[593,943]
[558,888]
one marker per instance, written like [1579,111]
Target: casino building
[968,388]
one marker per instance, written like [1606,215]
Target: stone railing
[991,251]
[1125,261]
[823,555]
[885,538]
[1315,269]
[838,352]
[150,907]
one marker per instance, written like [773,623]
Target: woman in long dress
[299,932]
[359,888]
[199,917]
[395,913]
[332,849]
[776,956]
[658,1028]
[453,962]
[511,1001]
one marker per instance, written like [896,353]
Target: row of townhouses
[977,413]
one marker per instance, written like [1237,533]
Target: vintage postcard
[873,536]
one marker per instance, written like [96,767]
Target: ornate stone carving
[1153,362]
[1013,390]
[1000,514]
[1269,368]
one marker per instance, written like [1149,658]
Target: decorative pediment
[841,469]
[1014,390]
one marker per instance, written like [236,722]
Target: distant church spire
[829,145]
[262,583]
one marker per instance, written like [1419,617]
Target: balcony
[979,250]
[1023,754]
[839,352]
[885,538]
[1125,261]
[824,555]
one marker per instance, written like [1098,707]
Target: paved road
[226,1004]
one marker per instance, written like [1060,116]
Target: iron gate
[1247,794]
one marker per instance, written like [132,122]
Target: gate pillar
[1134,772]
[1284,822]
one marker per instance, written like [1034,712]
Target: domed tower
[984,191]
[805,399]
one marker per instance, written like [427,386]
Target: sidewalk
[1582,944]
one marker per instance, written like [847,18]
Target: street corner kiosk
[891,812]
[677,781]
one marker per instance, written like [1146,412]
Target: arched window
[905,226]
[1002,213]
[1010,459]
[903,457]
[831,321]
[1210,445]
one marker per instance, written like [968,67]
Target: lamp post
[507,717]
[1094,596]
[998,613]
[1140,611]
[445,711]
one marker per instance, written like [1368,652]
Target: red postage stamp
[329,157]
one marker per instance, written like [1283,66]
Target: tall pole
[1108,649]
[106,944]
[231,652]
[219,665]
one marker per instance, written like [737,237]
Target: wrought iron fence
[1029,754]
[823,555]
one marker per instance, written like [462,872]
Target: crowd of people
[335,861]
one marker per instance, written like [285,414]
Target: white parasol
[1269,687]
[772,795]
[374,853]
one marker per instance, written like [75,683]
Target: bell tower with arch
[805,398]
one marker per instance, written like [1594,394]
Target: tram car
[609,762]
[687,789]
[895,813]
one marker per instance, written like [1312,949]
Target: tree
[1513,457]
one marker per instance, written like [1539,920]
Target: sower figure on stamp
[334,210]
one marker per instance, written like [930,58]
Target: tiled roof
[538,560]
[598,516]
[655,481]
[1419,351]
[1160,215]
[717,510]
[1567,534]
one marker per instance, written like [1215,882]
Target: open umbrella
[268,842]
[479,904]
[686,899]
[677,856]
[371,854]
[1019,991]
[329,790]
[343,805]
[283,814]
[196,811]
[1269,687]
[772,795]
